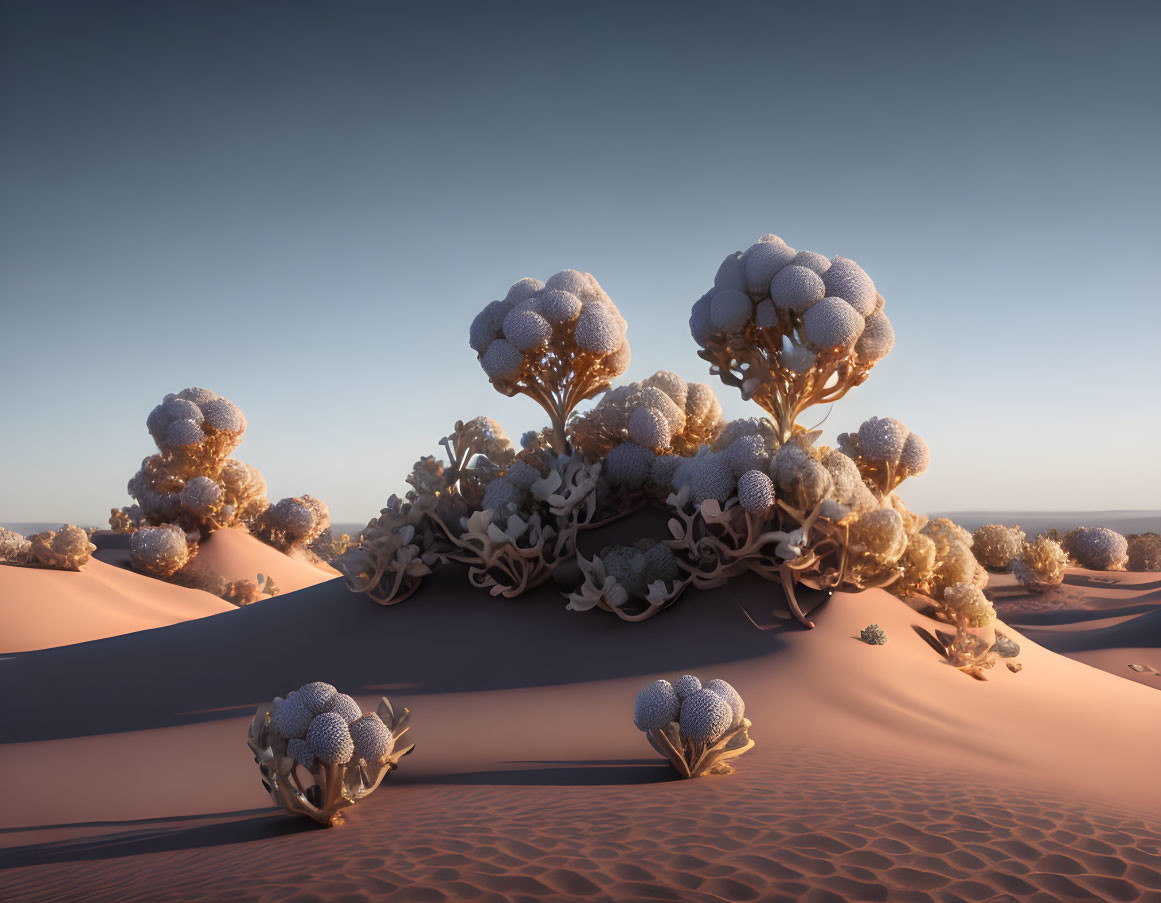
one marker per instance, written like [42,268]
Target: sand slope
[236,555]
[1107,619]
[880,772]
[40,608]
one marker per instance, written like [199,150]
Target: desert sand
[41,608]
[880,772]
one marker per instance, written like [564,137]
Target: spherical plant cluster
[790,329]
[663,414]
[967,604]
[886,453]
[953,561]
[293,523]
[192,481]
[1097,548]
[873,635]
[1144,552]
[346,752]
[558,342]
[638,566]
[13,547]
[1040,565]
[697,727]
[996,546]
[160,551]
[66,549]
[812,477]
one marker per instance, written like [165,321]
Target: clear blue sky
[303,205]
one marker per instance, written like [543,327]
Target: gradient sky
[303,205]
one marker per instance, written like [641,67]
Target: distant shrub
[1041,564]
[13,547]
[66,549]
[698,728]
[1097,548]
[345,752]
[1144,552]
[293,523]
[160,551]
[996,545]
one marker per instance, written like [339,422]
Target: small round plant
[323,733]
[697,727]
[873,635]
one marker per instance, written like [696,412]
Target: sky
[302,206]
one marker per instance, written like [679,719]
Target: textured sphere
[344,705]
[298,750]
[712,479]
[521,291]
[756,491]
[969,603]
[200,495]
[224,416]
[628,464]
[657,705]
[649,429]
[1098,548]
[663,468]
[177,408]
[686,685]
[558,306]
[762,261]
[526,330]
[329,738]
[795,288]
[501,495]
[290,717]
[575,282]
[486,326]
[502,359]
[372,738]
[159,550]
[731,275]
[198,395]
[765,314]
[730,309]
[877,340]
[747,453]
[598,329]
[521,474]
[661,564]
[701,327]
[883,439]
[820,263]
[184,434]
[705,716]
[832,323]
[315,696]
[915,457]
[845,279]
[732,698]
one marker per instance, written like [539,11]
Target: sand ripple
[842,830]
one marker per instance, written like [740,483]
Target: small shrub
[697,728]
[320,732]
[996,545]
[1097,548]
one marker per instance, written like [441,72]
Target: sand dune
[40,608]
[236,555]
[1109,620]
[880,772]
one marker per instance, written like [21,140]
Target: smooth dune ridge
[41,608]
[1107,619]
[880,772]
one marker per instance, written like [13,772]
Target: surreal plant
[873,635]
[996,546]
[1097,548]
[558,342]
[1040,565]
[323,734]
[66,549]
[634,582]
[790,329]
[697,728]
[758,494]
[1144,552]
[192,487]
